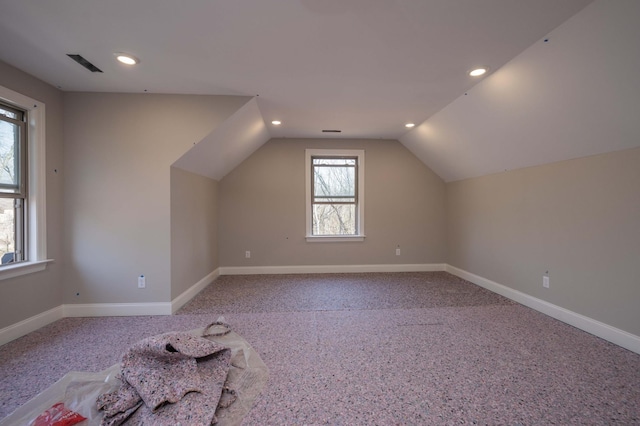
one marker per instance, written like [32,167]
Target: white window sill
[22,268]
[334,239]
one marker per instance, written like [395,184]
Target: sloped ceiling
[365,67]
[573,94]
[228,144]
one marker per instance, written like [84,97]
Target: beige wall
[262,208]
[578,219]
[117,156]
[29,295]
[194,229]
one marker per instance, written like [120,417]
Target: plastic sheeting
[79,390]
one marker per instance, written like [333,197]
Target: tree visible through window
[334,194]
[12,183]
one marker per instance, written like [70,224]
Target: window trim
[36,230]
[359,153]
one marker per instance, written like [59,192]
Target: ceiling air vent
[332,131]
[82,61]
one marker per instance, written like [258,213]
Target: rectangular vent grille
[332,131]
[82,61]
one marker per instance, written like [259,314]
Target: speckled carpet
[397,348]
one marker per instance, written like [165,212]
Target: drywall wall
[118,152]
[194,229]
[578,219]
[30,295]
[262,208]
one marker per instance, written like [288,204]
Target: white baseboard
[116,309]
[181,300]
[28,325]
[614,335]
[330,269]
[21,328]
[597,328]
[138,309]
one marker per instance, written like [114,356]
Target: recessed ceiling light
[409,125]
[127,59]
[478,71]
[276,122]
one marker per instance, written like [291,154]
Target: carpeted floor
[397,348]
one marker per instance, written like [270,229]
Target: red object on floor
[58,415]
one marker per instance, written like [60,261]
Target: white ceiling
[365,67]
[574,95]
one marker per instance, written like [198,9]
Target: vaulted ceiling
[557,70]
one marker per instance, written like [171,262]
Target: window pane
[332,219]
[10,112]
[7,230]
[334,161]
[334,181]
[9,145]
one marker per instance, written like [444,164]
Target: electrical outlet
[545,281]
[398,251]
[247,254]
[142,282]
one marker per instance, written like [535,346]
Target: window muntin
[335,195]
[12,183]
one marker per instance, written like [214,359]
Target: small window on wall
[13,188]
[335,195]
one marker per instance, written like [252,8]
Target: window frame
[359,191]
[35,218]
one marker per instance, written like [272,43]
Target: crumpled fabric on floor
[118,405]
[178,377]
[79,390]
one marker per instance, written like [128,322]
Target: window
[22,185]
[12,183]
[335,195]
